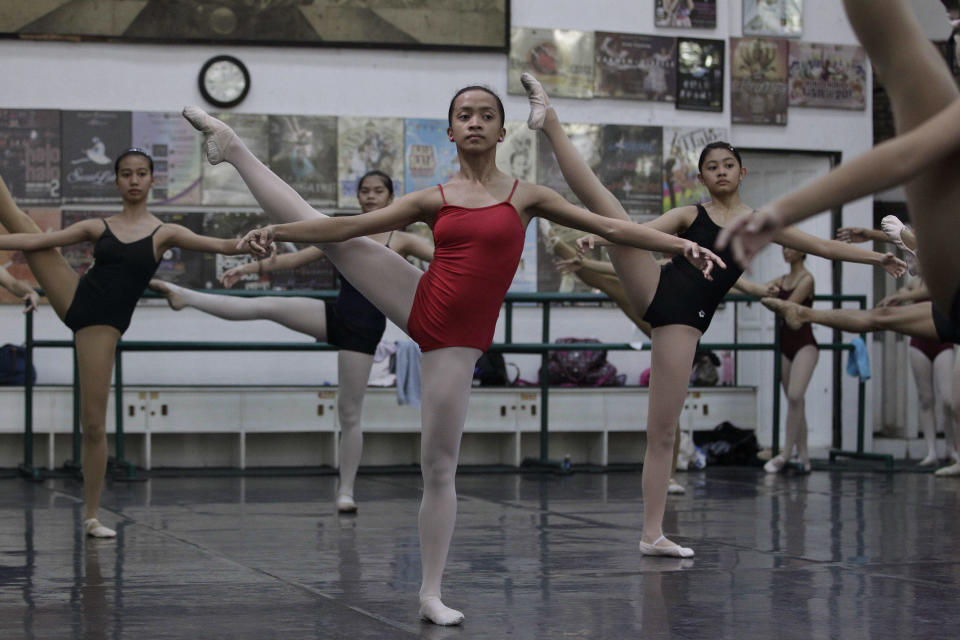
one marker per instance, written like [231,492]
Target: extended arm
[179,236]
[755,289]
[85,230]
[836,250]
[410,244]
[20,289]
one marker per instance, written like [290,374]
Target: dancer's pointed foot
[663,547]
[893,227]
[952,470]
[171,292]
[775,464]
[217,135]
[433,610]
[789,311]
[539,102]
[94,529]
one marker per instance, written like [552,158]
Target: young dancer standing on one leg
[451,310]
[678,307]
[98,306]
[350,322]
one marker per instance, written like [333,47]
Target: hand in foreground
[893,265]
[590,241]
[570,265]
[703,259]
[231,277]
[30,301]
[852,234]
[258,242]
[892,300]
[748,234]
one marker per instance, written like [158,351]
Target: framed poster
[16,263]
[700,74]
[586,139]
[319,274]
[681,152]
[80,255]
[517,154]
[562,60]
[222,184]
[778,18]
[364,144]
[431,158]
[479,25]
[230,224]
[182,267]
[698,14]
[525,279]
[758,77]
[629,65]
[303,151]
[30,155]
[630,167]
[91,141]
[172,143]
[827,75]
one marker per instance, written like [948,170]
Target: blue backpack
[13,366]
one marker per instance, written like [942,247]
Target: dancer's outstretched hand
[30,301]
[258,242]
[747,235]
[703,259]
[852,234]
[569,265]
[893,265]
[892,300]
[231,277]
[590,241]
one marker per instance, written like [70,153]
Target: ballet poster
[431,158]
[180,266]
[780,18]
[827,75]
[517,154]
[586,139]
[303,152]
[30,154]
[91,141]
[700,74]
[364,144]
[558,244]
[696,14]
[172,143]
[562,60]
[16,263]
[222,184]
[681,152]
[630,65]
[630,167]
[316,275]
[230,224]
[525,280]
[758,76]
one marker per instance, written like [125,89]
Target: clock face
[224,81]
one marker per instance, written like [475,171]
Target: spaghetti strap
[515,183]
[155,230]
[389,238]
[105,225]
[442,196]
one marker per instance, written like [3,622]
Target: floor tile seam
[858,569]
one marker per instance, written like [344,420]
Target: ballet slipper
[539,102]
[789,311]
[94,529]
[893,227]
[170,292]
[433,610]
[952,470]
[345,503]
[675,488]
[775,464]
[217,135]
[671,551]
[929,461]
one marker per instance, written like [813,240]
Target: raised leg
[353,370]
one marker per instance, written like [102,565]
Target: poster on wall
[222,184]
[562,60]
[525,279]
[700,74]
[182,267]
[681,152]
[230,224]
[758,80]
[517,154]
[30,154]
[431,158]
[827,75]
[303,152]
[586,139]
[80,256]
[778,18]
[639,67]
[630,167]
[555,243]
[16,263]
[172,143]
[365,144]
[317,275]
[91,141]
[697,14]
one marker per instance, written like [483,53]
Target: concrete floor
[829,555]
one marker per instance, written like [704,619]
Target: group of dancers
[479,219]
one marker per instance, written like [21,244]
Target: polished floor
[830,555]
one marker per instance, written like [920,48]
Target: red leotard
[476,254]
[931,348]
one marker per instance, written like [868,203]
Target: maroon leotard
[931,348]
[476,254]
[792,340]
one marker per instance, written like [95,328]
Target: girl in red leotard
[479,219]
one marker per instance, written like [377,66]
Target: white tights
[934,381]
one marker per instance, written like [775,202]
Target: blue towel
[408,373]
[858,360]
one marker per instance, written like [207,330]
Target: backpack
[13,365]
[582,368]
[491,370]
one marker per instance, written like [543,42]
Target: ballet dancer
[20,289]
[350,322]
[98,305]
[678,307]
[479,219]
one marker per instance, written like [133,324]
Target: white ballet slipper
[952,470]
[675,488]
[893,227]
[94,529]
[929,461]
[671,551]
[538,101]
[433,610]
[775,464]
[217,135]
[345,503]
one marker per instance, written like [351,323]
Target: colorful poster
[681,153]
[630,65]
[179,266]
[781,18]
[549,277]
[758,76]
[364,144]
[222,185]
[698,14]
[525,280]
[586,139]
[318,275]
[630,167]
[230,224]
[30,155]
[562,60]
[700,74]
[80,256]
[431,158]
[828,75]
[91,142]
[16,263]
[517,154]
[303,151]
[172,143]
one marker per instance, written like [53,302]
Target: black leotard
[108,292]
[948,325]
[683,295]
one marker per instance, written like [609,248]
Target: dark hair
[719,144]
[132,151]
[477,87]
[376,173]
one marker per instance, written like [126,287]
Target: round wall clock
[224,81]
